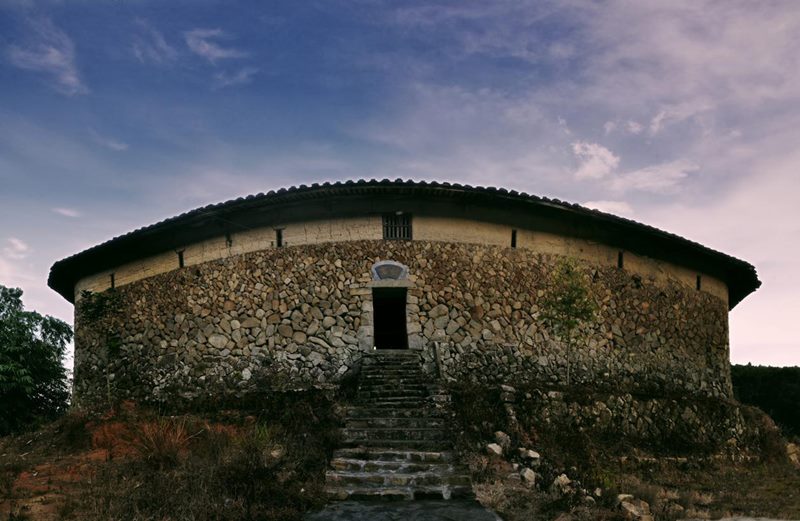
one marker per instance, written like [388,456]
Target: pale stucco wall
[437,229]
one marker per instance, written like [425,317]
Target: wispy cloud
[52,52]
[634,127]
[107,142]
[16,248]
[677,113]
[240,77]
[613,207]
[150,46]
[66,212]
[202,42]
[662,178]
[596,161]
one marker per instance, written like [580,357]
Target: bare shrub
[161,442]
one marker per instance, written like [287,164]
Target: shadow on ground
[404,511]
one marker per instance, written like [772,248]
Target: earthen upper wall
[425,228]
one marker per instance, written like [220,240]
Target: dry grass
[136,465]
[161,442]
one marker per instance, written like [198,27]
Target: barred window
[397,227]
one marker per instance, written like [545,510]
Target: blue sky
[682,114]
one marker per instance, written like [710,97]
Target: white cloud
[633,127]
[107,142]
[609,126]
[613,207]
[201,42]
[149,45]
[662,178]
[240,77]
[16,248]
[596,161]
[66,212]
[50,52]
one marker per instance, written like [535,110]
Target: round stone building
[292,288]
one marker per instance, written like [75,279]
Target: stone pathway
[454,510]
[396,441]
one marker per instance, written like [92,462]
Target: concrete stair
[396,443]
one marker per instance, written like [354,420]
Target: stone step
[368,411]
[427,445]
[391,371]
[394,422]
[391,433]
[391,380]
[386,454]
[391,359]
[394,479]
[385,386]
[412,394]
[405,467]
[397,352]
[390,384]
[398,493]
[395,403]
[373,360]
[379,385]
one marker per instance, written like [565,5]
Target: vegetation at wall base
[677,479]
[774,390]
[33,380]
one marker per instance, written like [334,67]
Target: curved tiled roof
[357,197]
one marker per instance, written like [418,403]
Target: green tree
[566,304]
[33,380]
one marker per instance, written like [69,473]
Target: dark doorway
[389,308]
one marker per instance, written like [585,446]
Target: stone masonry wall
[301,316]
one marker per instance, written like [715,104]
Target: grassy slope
[133,465]
[270,464]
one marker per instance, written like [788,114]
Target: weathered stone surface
[251,322]
[318,297]
[218,341]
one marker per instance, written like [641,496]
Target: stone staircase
[397,445]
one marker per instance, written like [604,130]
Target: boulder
[529,455]
[635,509]
[793,453]
[561,486]
[528,476]
[502,439]
[493,449]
